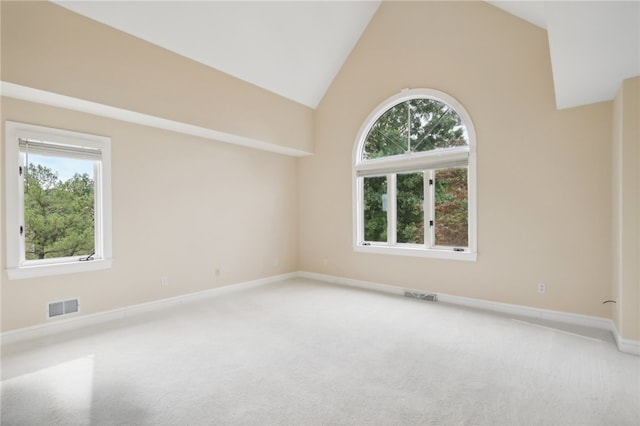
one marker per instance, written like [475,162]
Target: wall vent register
[64,307]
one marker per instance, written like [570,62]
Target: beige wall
[47,47]
[2,203]
[182,207]
[626,209]
[543,174]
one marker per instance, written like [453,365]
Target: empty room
[320,212]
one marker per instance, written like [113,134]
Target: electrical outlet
[542,287]
[164,281]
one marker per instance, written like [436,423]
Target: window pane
[410,213]
[435,125]
[417,125]
[58,207]
[375,209]
[451,211]
[388,136]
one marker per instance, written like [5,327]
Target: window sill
[57,269]
[418,252]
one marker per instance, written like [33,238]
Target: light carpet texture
[301,352]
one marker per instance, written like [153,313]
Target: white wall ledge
[51,269]
[30,94]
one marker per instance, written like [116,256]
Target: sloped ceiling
[291,48]
[296,48]
[594,45]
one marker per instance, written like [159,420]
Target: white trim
[212,292]
[17,267]
[55,325]
[624,345]
[528,312]
[400,250]
[367,285]
[51,269]
[24,93]
[361,168]
[392,210]
[406,95]
[436,159]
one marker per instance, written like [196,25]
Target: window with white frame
[58,201]
[414,178]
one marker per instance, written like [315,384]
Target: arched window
[415,178]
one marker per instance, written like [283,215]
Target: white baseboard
[368,285]
[60,325]
[76,322]
[212,292]
[80,321]
[624,345]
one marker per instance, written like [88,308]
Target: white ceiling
[594,45]
[292,48]
[295,48]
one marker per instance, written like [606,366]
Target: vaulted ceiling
[594,45]
[296,48]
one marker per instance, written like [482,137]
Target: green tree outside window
[59,215]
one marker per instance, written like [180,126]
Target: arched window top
[414,178]
[415,121]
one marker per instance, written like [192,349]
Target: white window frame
[17,266]
[426,162]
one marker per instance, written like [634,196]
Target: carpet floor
[301,352]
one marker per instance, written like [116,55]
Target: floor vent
[63,308]
[422,296]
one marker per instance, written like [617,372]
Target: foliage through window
[414,177]
[59,181]
[59,207]
[417,125]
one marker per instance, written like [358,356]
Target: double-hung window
[415,178]
[58,201]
